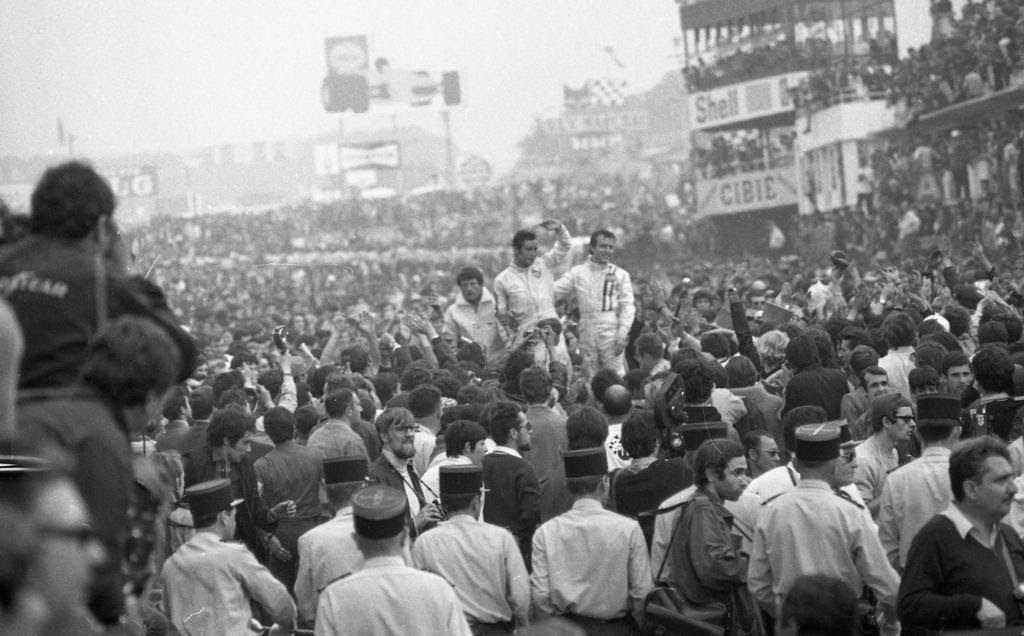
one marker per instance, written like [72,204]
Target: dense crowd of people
[739,151]
[757,62]
[971,57]
[508,442]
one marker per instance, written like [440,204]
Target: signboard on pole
[475,171]
[372,155]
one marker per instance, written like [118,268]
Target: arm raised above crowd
[557,258]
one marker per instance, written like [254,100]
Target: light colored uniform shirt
[873,465]
[479,324]
[812,530]
[208,585]
[335,438]
[765,487]
[911,497]
[389,597]
[483,562]
[326,553]
[592,562]
[527,294]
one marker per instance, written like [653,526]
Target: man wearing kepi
[965,567]
[481,560]
[604,294]
[386,596]
[209,583]
[916,492]
[590,565]
[328,551]
[816,529]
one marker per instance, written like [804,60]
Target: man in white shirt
[386,596]
[328,551]
[209,583]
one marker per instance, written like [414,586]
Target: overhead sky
[126,76]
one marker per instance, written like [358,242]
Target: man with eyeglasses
[893,421]
[762,453]
[394,468]
[814,528]
[513,491]
[919,490]
[762,490]
[69,550]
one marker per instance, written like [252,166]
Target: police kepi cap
[461,480]
[937,406]
[339,470]
[586,462]
[207,498]
[817,442]
[379,512]
[696,433]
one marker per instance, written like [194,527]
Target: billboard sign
[373,155]
[747,192]
[139,182]
[598,122]
[737,103]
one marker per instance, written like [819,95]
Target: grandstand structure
[745,62]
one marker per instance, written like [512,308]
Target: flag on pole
[607,92]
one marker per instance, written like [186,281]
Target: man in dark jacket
[226,455]
[129,368]
[513,492]
[812,384]
[70,275]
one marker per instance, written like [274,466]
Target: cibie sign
[737,103]
[747,192]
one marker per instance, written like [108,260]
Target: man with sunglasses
[919,490]
[893,421]
[513,491]
[762,452]
[815,528]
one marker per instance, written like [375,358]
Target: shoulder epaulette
[772,498]
[842,494]
[892,470]
[334,581]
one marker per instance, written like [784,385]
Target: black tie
[415,480]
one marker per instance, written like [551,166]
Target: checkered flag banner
[607,92]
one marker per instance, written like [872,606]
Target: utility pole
[449,150]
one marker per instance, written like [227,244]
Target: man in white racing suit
[604,294]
